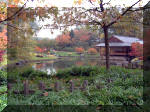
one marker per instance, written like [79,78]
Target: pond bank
[22,62]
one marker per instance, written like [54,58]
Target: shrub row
[78,71]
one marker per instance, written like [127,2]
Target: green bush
[68,49]
[3,98]
[78,71]
[31,73]
[3,77]
[26,73]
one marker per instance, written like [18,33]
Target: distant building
[119,45]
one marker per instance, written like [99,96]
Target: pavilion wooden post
[26,87]
[84,86]
[57,86]
[42,86]
[72,86]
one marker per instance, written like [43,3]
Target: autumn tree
[79,50]
[3,43]
[80,37]
[71,34]
[92,51]
[46,43]
[99,15]
[38,49]
[19,20]
[63,40]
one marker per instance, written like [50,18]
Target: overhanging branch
[15,14]
[128,9]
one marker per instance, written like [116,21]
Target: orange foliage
[84,38]
[3,39]
[92,51]
[82,35]
[79,49]
[12,5]
[2,17]
[63,39]
[38,49]
[16,1]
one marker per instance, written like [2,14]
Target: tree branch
[139,9]
[15,14]
[91,2]
[107,2]
[12,26]
[128,9]
[101,5]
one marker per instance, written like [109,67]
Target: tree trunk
[106,47]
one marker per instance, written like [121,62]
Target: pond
[53,66]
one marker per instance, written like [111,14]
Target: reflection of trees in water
[53,66]
[46,67]
[92,62]
[61,64]
[79,63]
[64,64]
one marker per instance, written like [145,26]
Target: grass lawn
[44,58]
[32,59]
[64,53]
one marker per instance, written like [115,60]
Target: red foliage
[82,35]
[92,51]
[3,43]
[3,39]
[63,39]
[137,50]
[1,55]
[84,38]
[38,49]
[79,49]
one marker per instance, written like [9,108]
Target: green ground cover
[119,86]
[3,88]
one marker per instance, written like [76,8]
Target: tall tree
[71,34]
[100,15]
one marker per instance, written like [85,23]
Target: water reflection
[53,66]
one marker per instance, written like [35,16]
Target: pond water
[53,66]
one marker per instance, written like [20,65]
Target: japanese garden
[90,53]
